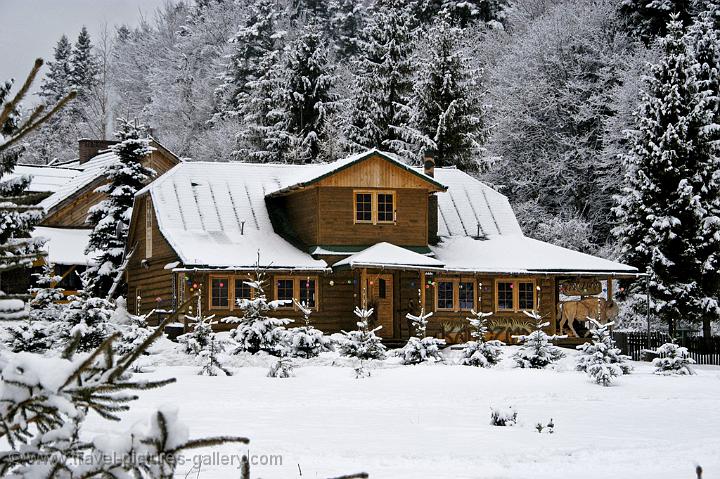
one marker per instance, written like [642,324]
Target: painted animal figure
[596,308]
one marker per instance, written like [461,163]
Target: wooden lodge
[365,230]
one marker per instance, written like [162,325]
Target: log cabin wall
[146,275]
[296,216]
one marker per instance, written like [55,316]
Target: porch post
[421,286]
[363,288]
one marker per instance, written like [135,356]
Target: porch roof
[388,255]
[65,246]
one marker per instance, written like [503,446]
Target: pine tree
[203,343]
[17,217]
[306,341]
[461,13]
[256,331]
[58,81]
[447,115]
[84,68]
[421,348]
[362,343]
[304,101]
[673,360]
[347,20]
[257,39]
[42,420]
[601,360]
[383,80]
[704,36]
[649,20]
[668,197]
[110,218]
[46,294]
[478,352]
[536,350]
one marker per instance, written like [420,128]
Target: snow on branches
[601,360]
[536,350]
[478,352]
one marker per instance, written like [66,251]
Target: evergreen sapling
[601,360]
[536,350]
[673,360]
[421,348]
[306,341]
[362,343]
[478,352]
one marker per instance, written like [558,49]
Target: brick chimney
[432,216]
[87,149]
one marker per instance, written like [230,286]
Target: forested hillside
[536,97]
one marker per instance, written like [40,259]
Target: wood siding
[376,172]
[298,214]
[150,280]
[337,224]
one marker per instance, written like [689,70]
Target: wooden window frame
[515,293]
[148,228]
[456,292]
[374,207]
[231,278]
[227,278]
[296,289]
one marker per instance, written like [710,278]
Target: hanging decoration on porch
[580,287]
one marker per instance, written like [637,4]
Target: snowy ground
[432,421]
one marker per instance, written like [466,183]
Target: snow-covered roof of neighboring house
[519,254]
[44,178]
[64,245]
[88,172]
[201,208]
[387,254]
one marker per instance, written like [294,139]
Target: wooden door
[380,289]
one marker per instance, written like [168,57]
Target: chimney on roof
[87,149]
[429,162]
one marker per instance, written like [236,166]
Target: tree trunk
[707,333]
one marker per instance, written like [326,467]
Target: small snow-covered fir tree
[87,321]
[44,403]
[673,360]
[383,80]
[36,336]
[478,352]
[255,330]
[133,328]
[421,348]
[46,294]
[601,359]
[203,343]
[306,341]
[536,350]
[362,343]
[110,218]
[446,110]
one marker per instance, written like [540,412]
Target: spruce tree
[478,352]
[447,115]
[111,217]
[304,101]
[252,43]
[649,20]
[383,80]
[17,215]
[362,343]
[536,349]
[600,359]
[461,13]
[347,20]
[58,81]
[421,348]
[83,65]
[665,211]
[704,36]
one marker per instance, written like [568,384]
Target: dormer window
[374,207]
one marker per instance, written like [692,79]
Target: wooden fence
[702,350]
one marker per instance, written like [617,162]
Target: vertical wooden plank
[421,285]
[363,288]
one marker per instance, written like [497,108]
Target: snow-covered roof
[201,208]
[64,245]
[387,254]
[519,254]
[43,178]
[88,172]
